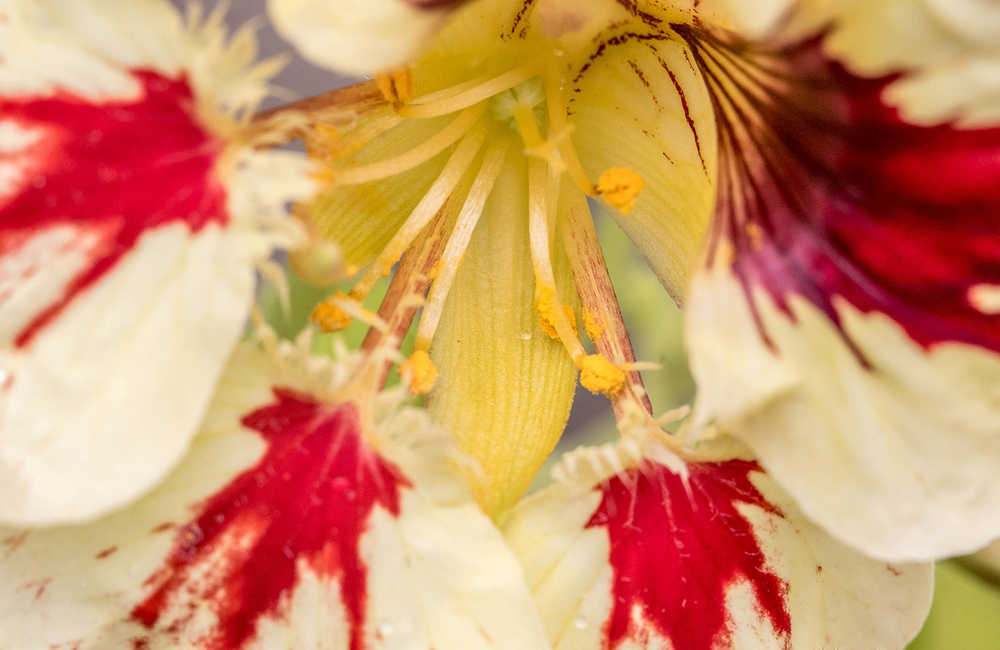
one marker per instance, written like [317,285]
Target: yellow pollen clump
[421,372]
[620,187]
[329,317]
[321,141]
[545,299]
[593,325]
[598,375]
[396,85]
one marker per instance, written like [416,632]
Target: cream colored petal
[504,388]
[897,459]
[282,528]
[641,104]
[713,557]
[358,36]
[140,350]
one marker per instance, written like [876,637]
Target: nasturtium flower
[815,181]
[133,209]
[503,138]
[311,512]
[314,508]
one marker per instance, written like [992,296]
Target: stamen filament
[449,262]
[428,206]
[540,179]
[593,285]
[332,146]
[559,125]
[415,157]
[402,299]
[467,94]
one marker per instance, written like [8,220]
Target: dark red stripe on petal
[118,169]
[676,548]
[308,500]
[825,190]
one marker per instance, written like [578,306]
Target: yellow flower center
[527,99]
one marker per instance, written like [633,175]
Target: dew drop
[580,623]
[525,336]
[385,630]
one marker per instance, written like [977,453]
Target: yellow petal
[504,388]
[361,219]
[632,112]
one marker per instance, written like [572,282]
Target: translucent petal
[505,388]
[641,104]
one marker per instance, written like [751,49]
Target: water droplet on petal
[580,623]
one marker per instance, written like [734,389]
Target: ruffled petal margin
[846,324]
[115,207]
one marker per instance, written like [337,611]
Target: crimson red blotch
[113,170]
[307,500]
[675,549]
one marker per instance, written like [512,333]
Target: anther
[599,375]
[620,187]
[545,304]
[593,325]
[396,85]
[331,317]
[419,372]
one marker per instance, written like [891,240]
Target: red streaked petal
[110,223]
[307,499]
[714,557]
[284,527]
[842,328]
[123,168]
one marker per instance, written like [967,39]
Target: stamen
[329,316]
[593,325]
[468,94]
[600,306]
[540,180]
[558,124]
[598,375]
[620,187]
[404,295]
[335,313]
[545,304]
[328,144]
[447,266]
[396,85]
[419,372]
[415,157]
[534,144]
[426,209]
